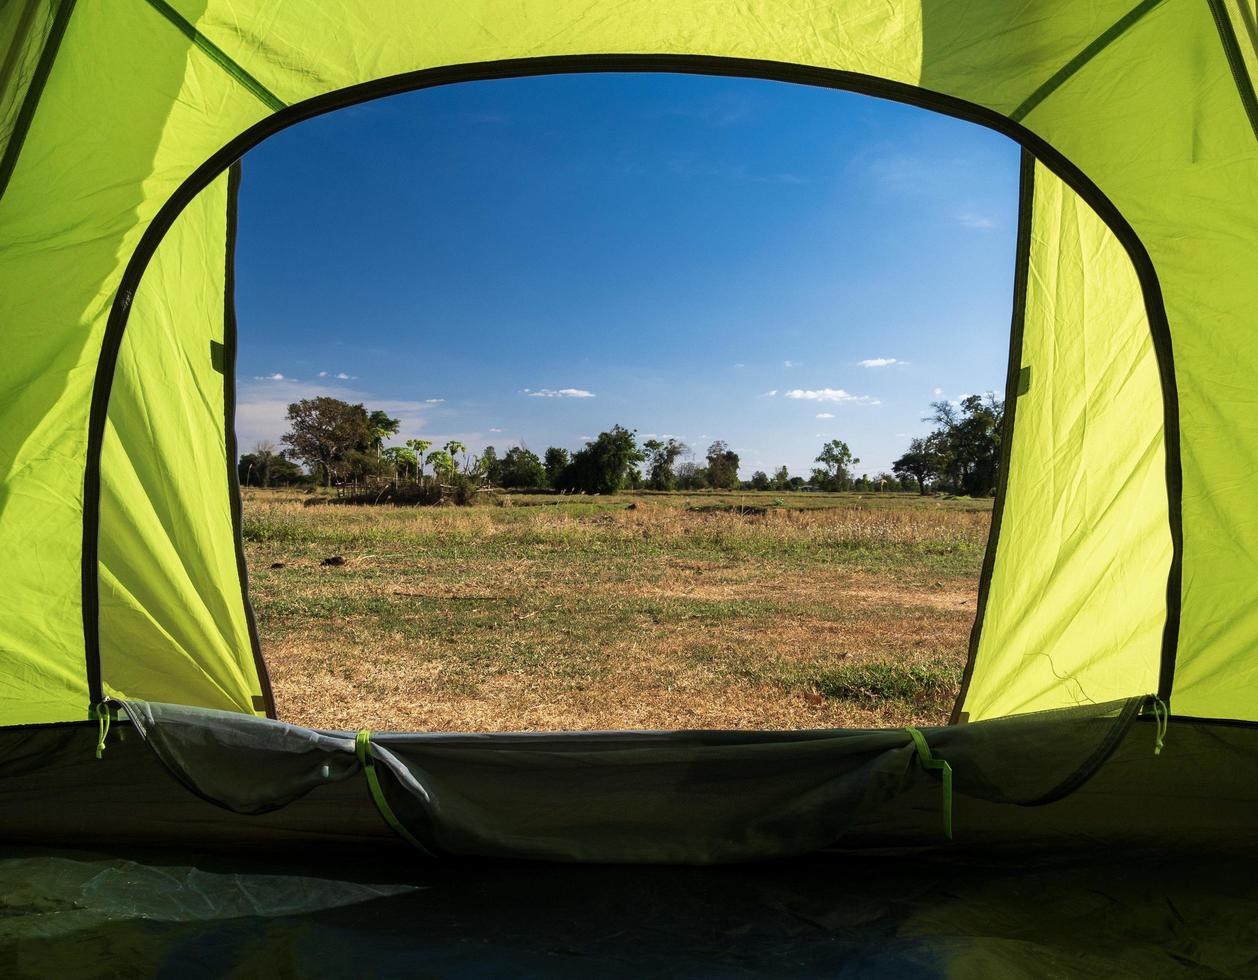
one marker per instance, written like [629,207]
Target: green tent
[1119,597]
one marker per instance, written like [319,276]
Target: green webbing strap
[928,761]
[101,711]
[362,746]
[1161,723]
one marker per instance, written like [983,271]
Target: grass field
[646,611]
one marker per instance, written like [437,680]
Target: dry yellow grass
[637,612]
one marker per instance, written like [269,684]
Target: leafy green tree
[442,464]
[660,459]
[760,480]
[381,426]
[324,432]
[490,466]
[921,464]
[419,447]
[403,459]
[521,469]
[691,476]
[968,443]
[454,447]
[264,467]
[603,466]
[781,479]
[722,466]
[836,461]
[556,462]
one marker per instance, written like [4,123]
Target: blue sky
[531,261]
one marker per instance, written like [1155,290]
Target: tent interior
[1111,695]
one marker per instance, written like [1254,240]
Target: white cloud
[559,393]
[740,364]
[262,407]
[938,391]
[342,376]
[825,415]
[770,394]
[877,362]
[790,364]
[587,438]
[323,374]
[433,401]
[829,395]
[971,220]
[495,430]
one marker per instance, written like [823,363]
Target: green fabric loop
[101,711]
[940,766]
[1161,722]
[362,747]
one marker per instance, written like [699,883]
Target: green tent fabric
[1123,564]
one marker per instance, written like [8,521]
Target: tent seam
[1080,61]
[219,57]
[26,114]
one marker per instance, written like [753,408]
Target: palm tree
[420,446]
[379,425]
[454,447]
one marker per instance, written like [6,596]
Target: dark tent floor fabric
[74,913]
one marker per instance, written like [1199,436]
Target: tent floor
[314,914]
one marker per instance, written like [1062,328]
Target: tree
[521,469]
[556,462]
[419,447]
[325,432]
[266,468]
[454,447]
[921,463]
[722,466]
[691,476]
[836,459]
[604,465]
[490,466]
[381,427]
[442,464]
[968,443]
[781,479]
[403,459]
[660,459]
[760,480]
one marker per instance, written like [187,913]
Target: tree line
[344,444]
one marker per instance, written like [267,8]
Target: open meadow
[641,610]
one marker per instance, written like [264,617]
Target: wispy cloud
[433,401]
[770,394]
[262,406]
[971,220]
[790,364]
[825,415]
[938,392]
[877,362]
[495,430]
[829,395]
[558,393]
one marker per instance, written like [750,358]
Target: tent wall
[1076,602]
[166,498]
[1142,99]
